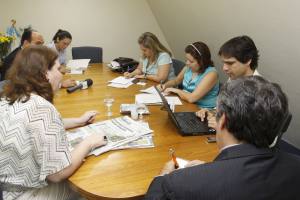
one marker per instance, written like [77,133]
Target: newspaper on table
[144,142]
[119,131]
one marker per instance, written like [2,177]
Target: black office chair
[178,65]
[287,147]
[87,52]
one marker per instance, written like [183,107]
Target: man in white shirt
[240,57]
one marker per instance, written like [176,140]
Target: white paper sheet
[78,64]
[150,90]
[154,99]
[122,80]
[117,85]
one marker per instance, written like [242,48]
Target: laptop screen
[167,106]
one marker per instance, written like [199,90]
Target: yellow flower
[4,39]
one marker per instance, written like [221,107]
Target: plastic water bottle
[134,114]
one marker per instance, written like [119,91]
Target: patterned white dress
[33,145]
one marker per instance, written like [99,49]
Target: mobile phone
[211,139]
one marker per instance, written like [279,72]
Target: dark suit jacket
[8,62]
[240,172]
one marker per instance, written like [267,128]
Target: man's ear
[249,62]
[222,122]
[26,43]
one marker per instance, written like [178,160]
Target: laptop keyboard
[190,123]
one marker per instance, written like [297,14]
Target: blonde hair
[150,41]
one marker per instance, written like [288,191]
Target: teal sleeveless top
[189,85]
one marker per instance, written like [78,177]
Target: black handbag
[125,64]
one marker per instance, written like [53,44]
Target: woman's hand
[141,76]
[96,140]
[161,87]
[68,83]
[88,117]
[167,91]
[128,75]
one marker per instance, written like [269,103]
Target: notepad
[78,64]
[121,82]
[150,90]
[154,99]
[181,162]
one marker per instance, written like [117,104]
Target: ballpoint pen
[172,153]
[161,85]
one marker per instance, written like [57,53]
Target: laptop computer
[187,123]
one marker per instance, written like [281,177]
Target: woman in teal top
[156,62]
[199,78]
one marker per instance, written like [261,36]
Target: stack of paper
[77,66]
[154,99]
[121,82]
[119,131]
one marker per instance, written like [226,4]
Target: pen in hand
[162,85]
[172,153]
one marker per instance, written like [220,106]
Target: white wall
[114,25]
[273,25]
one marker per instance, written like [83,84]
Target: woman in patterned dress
[34,155]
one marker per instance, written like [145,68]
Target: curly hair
[28,75]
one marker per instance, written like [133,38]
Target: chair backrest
[177,65]
[86,52]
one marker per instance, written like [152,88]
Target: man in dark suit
[29,37]
[249,113]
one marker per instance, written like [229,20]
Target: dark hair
[242,48]
[61,34]
[254,109]
[200,51]
[28,74]
[150,41]
[27,35]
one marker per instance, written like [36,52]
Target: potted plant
[5,42]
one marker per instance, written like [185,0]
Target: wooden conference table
[126,174]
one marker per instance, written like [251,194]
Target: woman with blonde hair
[156,61]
